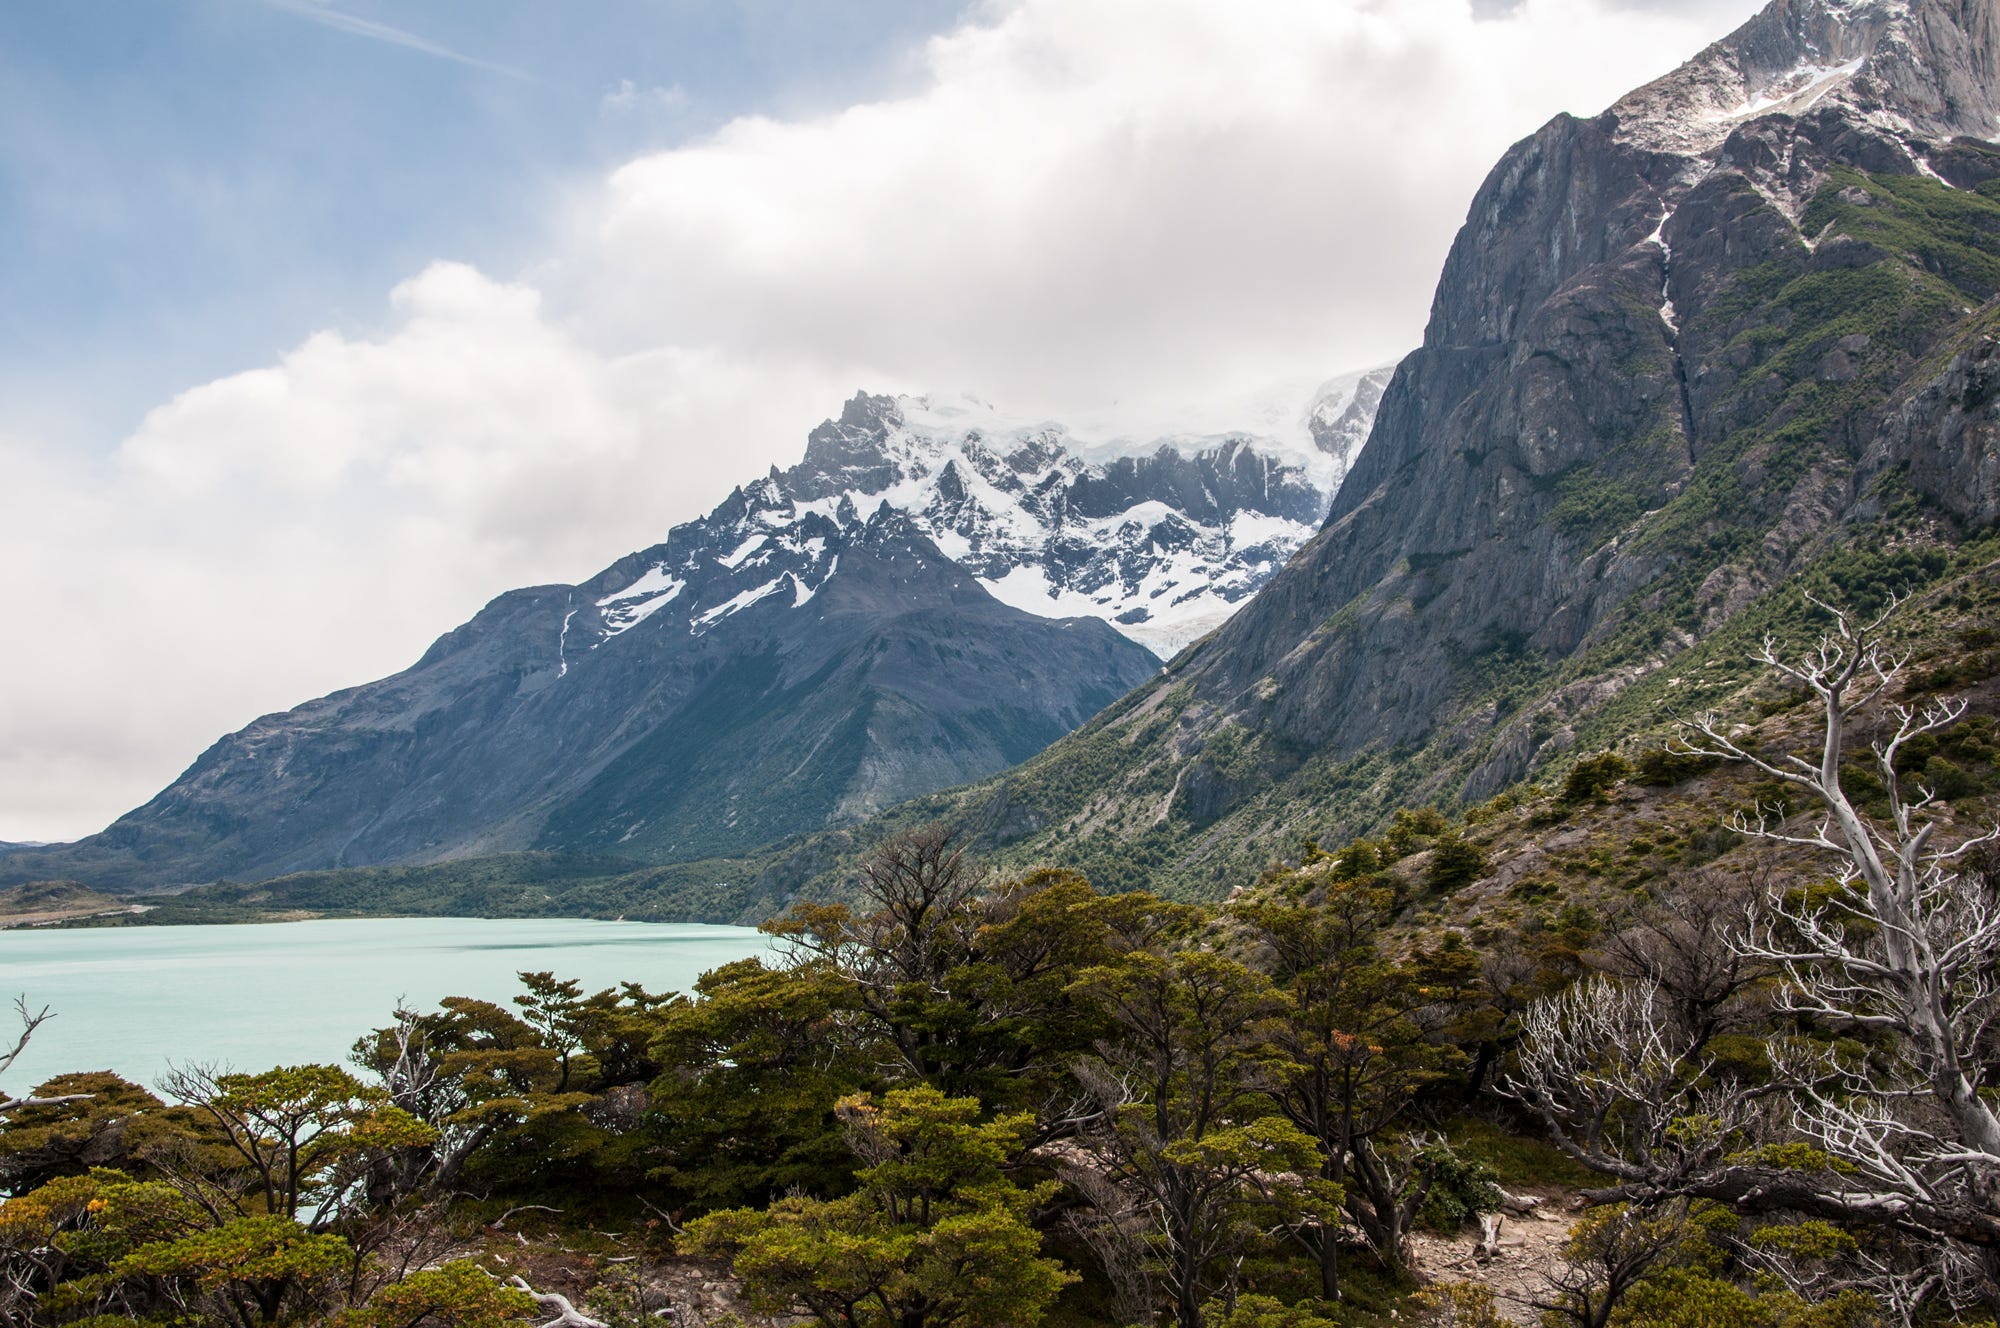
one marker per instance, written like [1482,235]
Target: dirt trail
[1529,1247]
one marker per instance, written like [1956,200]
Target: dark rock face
[1676,350]
[1552,370]
[803,656]
[832,669]
[1546,357]
[1946,434]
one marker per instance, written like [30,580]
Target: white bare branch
[567,1314]
[30,1021]
[1889,963]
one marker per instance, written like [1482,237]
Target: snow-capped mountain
[1911,74]
[932,594]
[1163,543]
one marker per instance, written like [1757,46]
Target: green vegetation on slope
[968,1097]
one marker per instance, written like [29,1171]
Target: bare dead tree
[1906,948]
[1625,1089]
[1115,1225]
[1891,974]
[388,1247]
[1680,943]
[418,1077]
[31,1020]
[1901,1274]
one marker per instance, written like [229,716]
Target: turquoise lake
[133,999]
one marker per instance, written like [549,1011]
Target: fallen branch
[567,1315]
[500,1223]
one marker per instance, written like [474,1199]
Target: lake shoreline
[137,999]
[151,915]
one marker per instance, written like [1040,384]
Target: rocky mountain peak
[1342,413]
[1919,69]
[1729,338]
[934,592]
[1161,539]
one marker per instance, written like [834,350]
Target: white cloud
[1091,208]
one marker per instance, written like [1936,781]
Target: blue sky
[319,327]
[188,185]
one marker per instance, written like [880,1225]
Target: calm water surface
[131,999]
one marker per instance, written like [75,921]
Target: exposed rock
[1946,433]
[1673,352]
[931,595]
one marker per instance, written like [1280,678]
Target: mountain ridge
[1659,394]
[805,654]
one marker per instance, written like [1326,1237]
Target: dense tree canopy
[955,1099]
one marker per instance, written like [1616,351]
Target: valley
[1519,845]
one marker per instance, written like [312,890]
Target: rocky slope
[1163,542]
[933,594]
[1734,335]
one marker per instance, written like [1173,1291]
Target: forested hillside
[1702,1037]
[1568,894]
[1687,360]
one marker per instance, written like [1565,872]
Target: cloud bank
[1120,212]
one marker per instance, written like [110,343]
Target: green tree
[1455,864]
[470,1071]
[1593,778]
[459,1294]
[751,1069]
[505,1091]
[105,1246]
[966,982]
[292,1141]
[45,1238]
[935,1236]
[1189,1169]
[1356,1049]
[249,1271]
[1412,830]
[85,1121]
[1607,1255]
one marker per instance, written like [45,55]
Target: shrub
[1455,864]
[1457,1305]
[1410,828]
[1593,777]
[1662,767]
[1461,1189]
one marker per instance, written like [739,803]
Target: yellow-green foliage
[1264,1312]
[1793,1157]
[459,1294]
[1811,1239]
[935,1233]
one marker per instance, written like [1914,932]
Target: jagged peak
[880,441]
[1164,543]
[865,410]
[1923,69]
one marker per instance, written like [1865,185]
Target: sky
[321,324]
